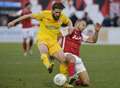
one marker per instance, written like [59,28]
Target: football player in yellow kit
[49,30]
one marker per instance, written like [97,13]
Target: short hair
[58,5]
[27,4]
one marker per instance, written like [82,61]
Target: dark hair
[27,4]
[58,5]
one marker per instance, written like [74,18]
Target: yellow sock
[63,69]
[45,60]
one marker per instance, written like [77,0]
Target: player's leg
[71,67]
[29,35]
[58,53]
[63,69]
[83,77]
[61,58]
[24,45]
[30,44]
[70,64]
[31,39]
[24,42]
[66,63]
[43,49]
[63,64]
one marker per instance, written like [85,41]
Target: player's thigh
[42,44]
[81,71]
[79,65]
[42,48]
[59,55]
[25,33]
[32,32]
[69,57]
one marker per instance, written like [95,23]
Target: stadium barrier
[13,34]
[107,35]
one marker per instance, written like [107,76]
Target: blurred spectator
[114,20]
[36,8]
[79,4]
[44,3]
[107,22]
[70,10]
[7,7]
[28,31]
[118,22]
[87,18]
[3,21]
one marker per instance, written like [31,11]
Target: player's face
[81,25]
[56,14]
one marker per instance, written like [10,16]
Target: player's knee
[62,60]
[42,48]
[70,59]
[24,39]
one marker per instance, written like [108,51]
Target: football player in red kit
[71,45]
[28,32]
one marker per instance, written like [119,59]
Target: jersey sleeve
[64,31]
[38,16]
[65,19]
[85,37]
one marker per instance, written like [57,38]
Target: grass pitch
[17,71]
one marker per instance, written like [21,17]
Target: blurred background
[105,12]
[102,59]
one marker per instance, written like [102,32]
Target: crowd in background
[106,12]
[77,9]
[107,18]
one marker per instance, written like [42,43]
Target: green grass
[17,71]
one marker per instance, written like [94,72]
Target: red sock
[71,69]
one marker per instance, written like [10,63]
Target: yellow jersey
[48,26]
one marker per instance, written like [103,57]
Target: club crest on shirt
[76,36]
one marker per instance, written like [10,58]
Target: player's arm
[37,16]
[94,38]
[12,23]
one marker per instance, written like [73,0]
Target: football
[59,79]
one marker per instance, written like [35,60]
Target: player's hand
[10,24]
[97,27]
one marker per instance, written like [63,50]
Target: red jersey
[72,43]
[26,23]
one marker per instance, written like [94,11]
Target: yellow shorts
[52,44]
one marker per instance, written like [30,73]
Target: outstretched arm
[94,38]
[12,23]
